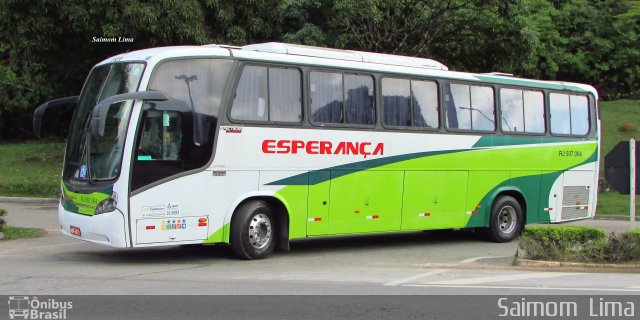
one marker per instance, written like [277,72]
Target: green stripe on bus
[479,176]
[501,141]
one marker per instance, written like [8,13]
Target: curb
[29,200]
[634,267]
[614,218]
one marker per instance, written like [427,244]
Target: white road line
[500,278]
[523,287]
[39,247]
[414,277]
[470,260]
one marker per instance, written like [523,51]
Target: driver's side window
[159,147]
[161,136]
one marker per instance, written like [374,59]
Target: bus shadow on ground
[299,248]
[399,240]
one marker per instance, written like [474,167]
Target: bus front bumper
[107,229]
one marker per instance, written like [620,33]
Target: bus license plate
[75,231]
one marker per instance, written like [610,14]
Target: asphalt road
[423,263]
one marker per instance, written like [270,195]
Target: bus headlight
[108,204]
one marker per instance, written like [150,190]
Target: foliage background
[46,47]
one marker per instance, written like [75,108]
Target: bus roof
[337,58]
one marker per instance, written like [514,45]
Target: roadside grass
[31,169]
[615,115]
[12,233]
[611,203]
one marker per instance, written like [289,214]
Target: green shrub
[3,223]
[563,243]
[582,244]
[624,247]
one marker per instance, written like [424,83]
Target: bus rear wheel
[506,221]
[253,231]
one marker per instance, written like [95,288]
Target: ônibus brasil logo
[322,147]
[23,307]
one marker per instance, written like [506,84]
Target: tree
[47,48]
[472,35]
[601,45]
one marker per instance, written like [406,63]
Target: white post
[632,177]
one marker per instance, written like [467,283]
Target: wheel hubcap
[260,231]
[507,219]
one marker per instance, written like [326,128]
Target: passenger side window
[342,98]
[470,107]
[268,94]
[569,114]
[522,111]
[410,103]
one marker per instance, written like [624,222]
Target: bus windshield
[93,158]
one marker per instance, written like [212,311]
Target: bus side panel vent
[575,202]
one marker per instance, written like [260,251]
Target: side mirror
[42,109]
[99,116]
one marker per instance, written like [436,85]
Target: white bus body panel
[106,229]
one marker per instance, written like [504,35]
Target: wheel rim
[260,231]
[507,219]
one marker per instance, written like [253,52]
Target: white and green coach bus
[254,146]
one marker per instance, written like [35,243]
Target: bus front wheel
[253,231]
[506,221]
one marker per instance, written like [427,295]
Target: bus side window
[522,111]
[326,97]
[268,94]
[569,114]
[470,107]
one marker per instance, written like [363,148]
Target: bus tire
[506,220]
[253,231]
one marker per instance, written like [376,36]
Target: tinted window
[161,137]
[359,99]
[396,95]
[285,95]
[410,103]
[425,108]
[342,98]
[560,113]
[198,83]
[534,112]
[470,107]
[458,101]
[251,98]
[569,114]
[579,115]
[326,97]
[522,111]
[482,108]
[178,141]
[512,104]
[268,94]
